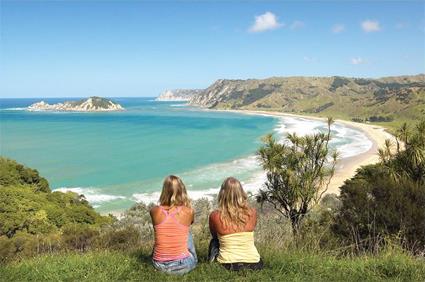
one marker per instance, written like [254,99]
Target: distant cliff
[92,104]
[178,94]
[360,99]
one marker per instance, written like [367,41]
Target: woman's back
[236,241]
[171,232]
[223,229]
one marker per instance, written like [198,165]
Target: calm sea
[119,158]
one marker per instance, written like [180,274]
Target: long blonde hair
[174,193]
[233,204]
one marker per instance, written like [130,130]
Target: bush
[12,173]
[7,249]
[374,206]
[388,199]
[123,239]
[79,237]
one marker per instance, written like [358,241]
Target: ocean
[119,158]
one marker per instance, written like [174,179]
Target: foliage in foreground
[35,220]
[279,266]
[387,199]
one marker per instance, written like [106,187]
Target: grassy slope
[401,98]
[280,266]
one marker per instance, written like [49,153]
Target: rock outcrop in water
[178,94]
[92,104]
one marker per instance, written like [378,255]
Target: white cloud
[357,61]
[371,26]
[266,21]
[296,25]
[338,28]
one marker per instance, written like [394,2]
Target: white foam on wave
[348,141]
[91,194]
[14,109]
[353,142]
[213,173]
[252,185]
[153,197]
[179,105]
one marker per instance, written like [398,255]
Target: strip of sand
[346,167]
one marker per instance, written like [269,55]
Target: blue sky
[137,48]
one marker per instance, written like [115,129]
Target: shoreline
[346,167]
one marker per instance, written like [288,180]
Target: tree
[410,162]
[298,173]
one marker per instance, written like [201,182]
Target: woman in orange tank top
[232,228]
[174,251]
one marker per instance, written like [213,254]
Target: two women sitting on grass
[232,228]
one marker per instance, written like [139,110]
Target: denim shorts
[179,266]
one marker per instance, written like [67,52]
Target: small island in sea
[91,104]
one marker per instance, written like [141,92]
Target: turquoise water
[116,158]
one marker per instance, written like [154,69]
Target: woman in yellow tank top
[232,228]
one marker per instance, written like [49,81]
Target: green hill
[391,100]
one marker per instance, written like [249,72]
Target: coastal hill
[178,94]
[388,99]
[92,104]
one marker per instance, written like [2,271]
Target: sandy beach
[346,167]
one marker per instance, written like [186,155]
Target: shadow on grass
[144,257]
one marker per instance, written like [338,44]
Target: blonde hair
[174,193]
[233,204]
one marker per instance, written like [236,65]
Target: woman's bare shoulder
[155,210]
[215,214]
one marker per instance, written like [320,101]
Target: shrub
[374,206]
[123,239]
[387,199]
[7,249]
[79,237]
[12,173]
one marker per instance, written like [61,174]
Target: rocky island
[92,104]
[178,94]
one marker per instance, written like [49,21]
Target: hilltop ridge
[386,99]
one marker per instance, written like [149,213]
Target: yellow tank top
[237,247]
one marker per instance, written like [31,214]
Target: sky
[140,48]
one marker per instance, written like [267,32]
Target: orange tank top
[170,238]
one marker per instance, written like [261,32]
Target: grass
[279,266]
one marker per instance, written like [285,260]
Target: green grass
[279,266]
